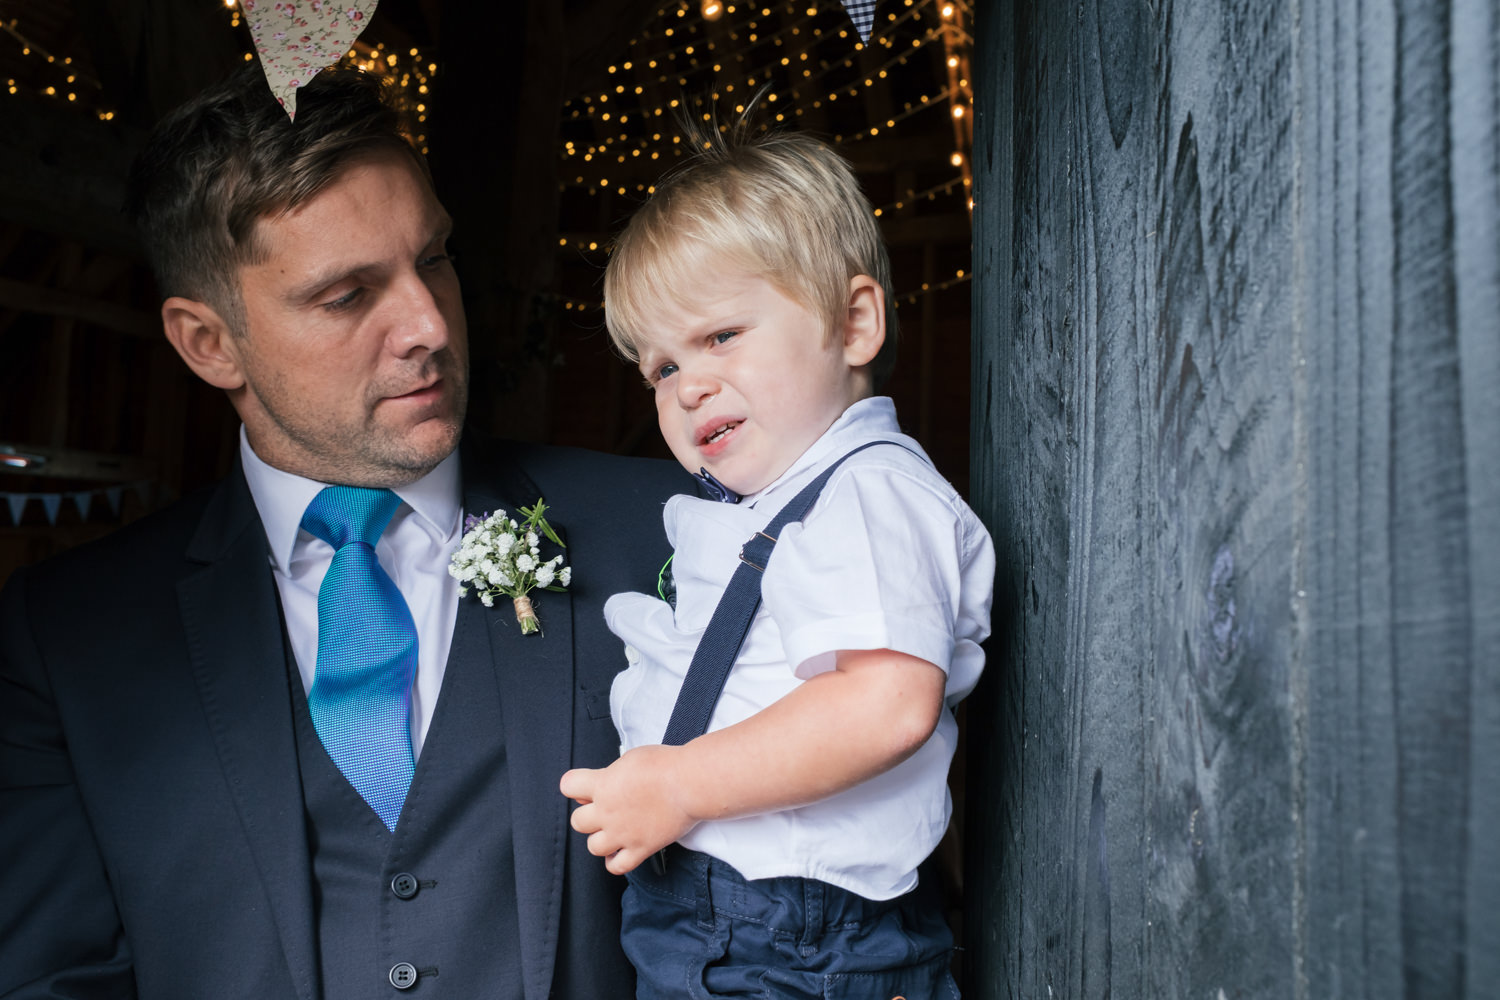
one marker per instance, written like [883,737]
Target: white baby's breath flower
[498,556]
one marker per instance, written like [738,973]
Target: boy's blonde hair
[780,205]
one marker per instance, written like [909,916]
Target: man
[189,802]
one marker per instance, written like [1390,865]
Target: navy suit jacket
[152,839]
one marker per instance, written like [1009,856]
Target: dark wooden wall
[1237,432]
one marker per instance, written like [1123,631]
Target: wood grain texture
[1238,341]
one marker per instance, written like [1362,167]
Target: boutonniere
[499,557]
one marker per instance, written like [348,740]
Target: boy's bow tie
[716,490]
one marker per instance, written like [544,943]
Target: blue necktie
[367,651]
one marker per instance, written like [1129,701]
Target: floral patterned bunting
[297,39]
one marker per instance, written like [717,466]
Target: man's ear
[204,341]
[864,321]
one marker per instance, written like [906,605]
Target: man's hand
[629,810]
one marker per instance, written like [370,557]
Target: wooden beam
[70,305]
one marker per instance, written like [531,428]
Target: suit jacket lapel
[535,675]
[231,617]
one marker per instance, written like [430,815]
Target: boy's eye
[664,371]
[724,335]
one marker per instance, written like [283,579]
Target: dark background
[519,107]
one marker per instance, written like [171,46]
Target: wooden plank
[1400,215]
[1237,297]
[1475,144]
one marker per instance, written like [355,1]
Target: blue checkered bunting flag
[862,13]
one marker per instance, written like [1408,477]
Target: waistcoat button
[404,886]
[403,975]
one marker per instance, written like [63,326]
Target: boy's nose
[695,387]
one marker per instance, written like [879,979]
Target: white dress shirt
[888,558]
[414,551]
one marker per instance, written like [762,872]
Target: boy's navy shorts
[695,927]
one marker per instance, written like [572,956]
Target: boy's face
[745,378]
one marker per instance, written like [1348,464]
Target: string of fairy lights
[723,51]
[619,137]
[681,68]
[57,76]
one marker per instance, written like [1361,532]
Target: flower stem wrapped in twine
[526,616]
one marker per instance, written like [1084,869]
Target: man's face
[355,354]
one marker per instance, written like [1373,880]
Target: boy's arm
[835,730]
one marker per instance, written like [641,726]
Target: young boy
[753,290]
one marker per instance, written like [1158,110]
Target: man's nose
[417,317]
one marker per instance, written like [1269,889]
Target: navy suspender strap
[721,642]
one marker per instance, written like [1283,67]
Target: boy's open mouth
[718,433]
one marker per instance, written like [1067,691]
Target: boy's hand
[628,810]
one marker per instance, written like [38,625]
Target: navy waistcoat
[429,909]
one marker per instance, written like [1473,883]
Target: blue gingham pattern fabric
[862,13]
[367,651]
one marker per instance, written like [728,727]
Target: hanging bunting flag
[297,39]
[145,490]
[862,13]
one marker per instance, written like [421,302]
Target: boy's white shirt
[888,558]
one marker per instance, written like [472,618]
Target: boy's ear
[864,322]
[200,335]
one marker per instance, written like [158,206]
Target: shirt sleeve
[877,564]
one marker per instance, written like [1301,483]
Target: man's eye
[436,260]
[344,301]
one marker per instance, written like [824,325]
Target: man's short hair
[781,205]
[218,164]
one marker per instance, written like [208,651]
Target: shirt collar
[866,419]
[282,497]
